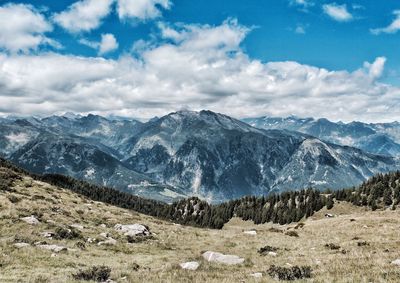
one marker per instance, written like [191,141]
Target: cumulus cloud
[337,12]
[84,15]
[196,67]
[141,9]
[22,28]
[107,44]
[392,28]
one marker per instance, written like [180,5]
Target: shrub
[13,199]
[332,246]
[265,250]
[70,234]
[362,244]
[292,234]
[95,273]
[81,245]
[289,273]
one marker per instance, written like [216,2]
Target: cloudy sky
[145,58]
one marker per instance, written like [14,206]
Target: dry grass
[173,244]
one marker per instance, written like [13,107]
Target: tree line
[287,207]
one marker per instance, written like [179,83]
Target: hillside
[356,242]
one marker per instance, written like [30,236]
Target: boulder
[396,262]
[30,220]
[133,229]
[21,245]
[221,258]
[77,226]
[47,234]
[191,265]
[109,242]
[53,248]
[251,232]
[257,275]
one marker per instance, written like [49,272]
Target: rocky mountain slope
[380,138]
[50,234]
[186,153]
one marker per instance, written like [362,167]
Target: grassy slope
[173,244]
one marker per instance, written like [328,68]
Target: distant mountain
[79,147]
[186,153]
[383,138]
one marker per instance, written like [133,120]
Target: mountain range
[186,153]
[379,138]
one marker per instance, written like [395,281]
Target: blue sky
[344,38]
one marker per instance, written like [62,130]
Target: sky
[146,58]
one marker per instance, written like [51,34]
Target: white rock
[108,242]
[104,235]
[257,275]
[396,262]
[103,226]
[191,265]
[221,258]
[251,232]
[30,220]
[132,230]
[47,234]
[76,226]
[272,254]
[53,248]
[21,245]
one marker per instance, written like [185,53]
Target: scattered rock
[221,258]
[53,248]
[30,220]
[250,232]
[396,262]
[133,229]
[328,215]
[21,245]
[191,265]
[257,275]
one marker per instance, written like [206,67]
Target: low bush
[95,273]
[70,234]
[265,250]
[289,273]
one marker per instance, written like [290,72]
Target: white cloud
[300,29]
[392,28]
[22,28]
[197,67]
[141,9]
[84,15]
[303,3]
[337,12]
[107,44]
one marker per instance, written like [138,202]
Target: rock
[221,258]
[328,215]
[30,220]
[133,230]
[90,240]
[47,234]
[104,235]
[21,245]
[191,265]
[251,232]
[108,242]
[257,275]
[103,226]
[272,254]
[77,226]
[396,262]
[53,248]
